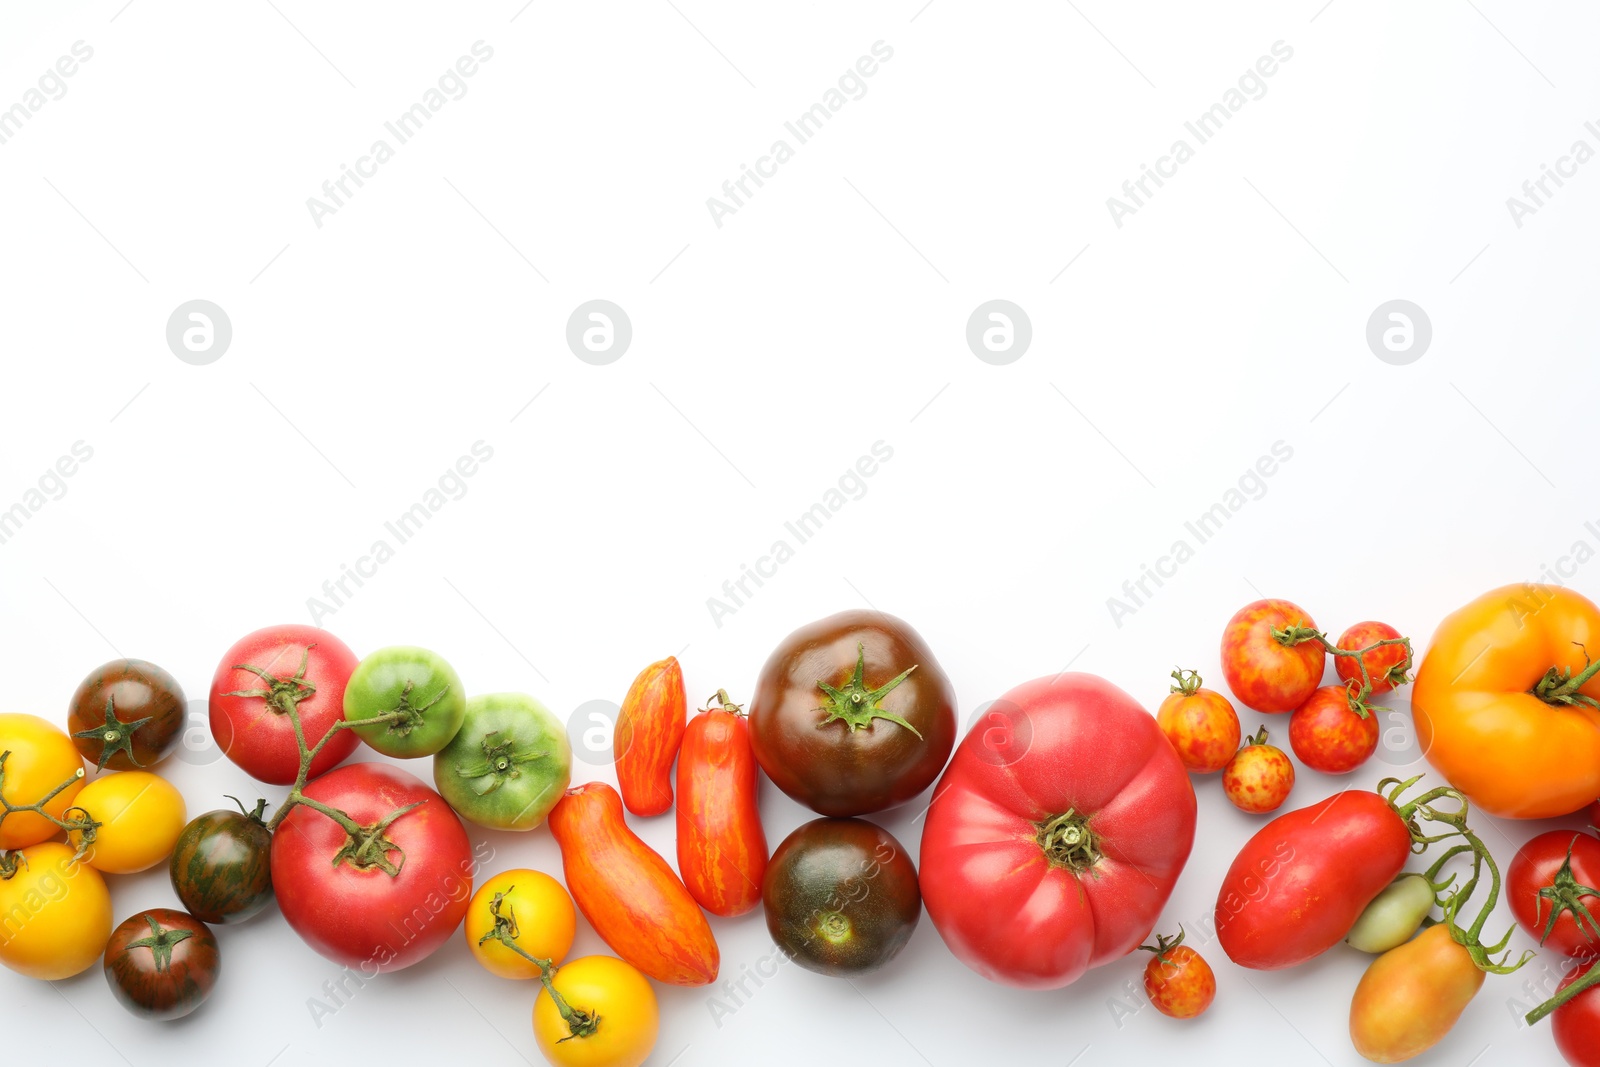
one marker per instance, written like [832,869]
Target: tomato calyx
[258,815]
[1163,946]
[161,941]
[1565,895]
[580,1023]
[855,704]
[409,716]
[1188,682]
[114,736]
[366,847]
[723,702]
[82,825]
[501,762]
[1559,686]
[282,695]
[1067,841]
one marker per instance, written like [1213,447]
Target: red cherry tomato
[1329,736]
[1178,981]
[1200,723]
[1550,888]
[1386,666]
[260,678]
[1576,1024]
[1265,666]
[1259,776]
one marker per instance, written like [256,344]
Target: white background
[768,354]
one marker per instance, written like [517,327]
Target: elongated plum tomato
[1386,666]
[649,730]
[1300,884]
[55,912]
[387,895]
[852,714]
[260,679]
[722,848]
[1267,662]
[40,758]
[529,907]
[1200,723]
[221,867]
[1411,996]
[162,964]
[127,715]
[1551,887]
[1054,849]
[1330,736]
[140,816]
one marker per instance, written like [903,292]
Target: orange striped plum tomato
[722,848]
[55,912]
[649,730]
[1259,776]
[1267,659]
[1178,981]
[39,757]
[525,908]
[140,816]
[1330,735]
[1387,667]
[1200,723]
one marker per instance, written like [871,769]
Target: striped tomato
[722,850]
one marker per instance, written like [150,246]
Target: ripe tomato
[260,679]
[1550,887]
[1264,665]
[1178,981]
[1386,667]
[722,849]
[1506,704]
[420,686]
[506,767]
[1259,777]
[40,758]
[1330,736]
[56,912]
[1200,723]
[1594,815]
[533,910]
[162,964]
[140,816]
[610,1020]
[1576,1024]
[649,730]
[852,714]
[1040,864]
[1411,996]
[1303,880]
[387,901]
[221,866]
[127,715]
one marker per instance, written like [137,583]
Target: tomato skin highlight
[1576,1024]
[1299,885]
[65,913]
[42,757]
[1328,736]
[722,848]
[628,893]
[261,739]
[162,983]
[221,867]
[1202,726]
[1380,661]
[649,731]
[1262,673]
[1534,868]
[368,919]
[1411,996]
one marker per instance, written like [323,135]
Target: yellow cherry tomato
[140,816]
[42,757]
[614,1019]
[55,913]
[536,911]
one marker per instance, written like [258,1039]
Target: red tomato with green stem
[1388,666]
[1576,1025]
[722,849]
[1200,723]
[1331,733]
[1259,777]
[1268,662]
[162,964]
[264,675]
[1550,887]
[1178,981]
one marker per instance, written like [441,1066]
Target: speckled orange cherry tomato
[1259,776]
[1178,980]
[1267,658]
[1200,723]
[1329,735]
[1387,667]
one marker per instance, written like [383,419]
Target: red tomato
[1200,723]
[264,675]
[722,850]
[1300,884]
[1259,777]
[1576,1024]
[349,908]
[1594,815]
[1386,666]
[1555,901]
[1328,735]
[1264,671]
[1178,981]
[1042,863]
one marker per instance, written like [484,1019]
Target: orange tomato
[1496,709]
[41,758]
[1411,996]
[614,1017]
[722,849]
[649,730]
[1200,723]
[541,920]
[1267,672]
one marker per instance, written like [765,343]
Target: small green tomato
[414,684]
[1393,916]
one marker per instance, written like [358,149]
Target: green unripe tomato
[1393,916]
[414,682]
[508,765]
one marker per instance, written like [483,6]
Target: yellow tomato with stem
[41,757]
[596,1012]
[140,816]
[55,912]
[529,907]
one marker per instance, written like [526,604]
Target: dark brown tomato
[852,714]
[126,715]
[221,867]
[162,964]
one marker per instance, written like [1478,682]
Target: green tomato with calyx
[416,691]
[508,765]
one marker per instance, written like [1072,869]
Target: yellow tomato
[1411,997]
[55,913]
[615,1019]
[540,915]
[42,757]
[140,816]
